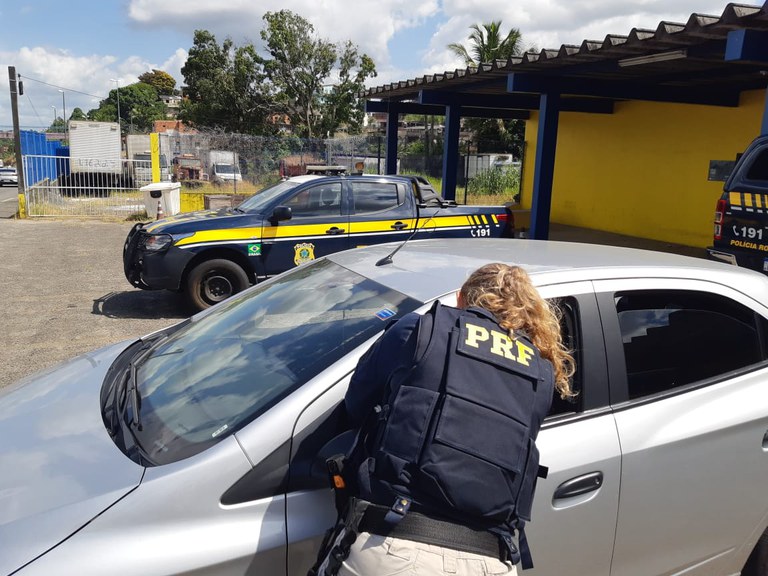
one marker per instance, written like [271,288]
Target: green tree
[78,114]
[225,86]
[162,82]
[301,70]
[58,125]
[342,105]
[488,44]
[139,106]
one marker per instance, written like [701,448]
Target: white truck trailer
[95,157]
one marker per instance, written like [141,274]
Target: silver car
[199,449]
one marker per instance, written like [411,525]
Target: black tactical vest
[456,432]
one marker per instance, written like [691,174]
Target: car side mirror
[280,214]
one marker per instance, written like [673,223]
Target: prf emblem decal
[303,253]
[254,249]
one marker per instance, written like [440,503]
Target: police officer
[448,407]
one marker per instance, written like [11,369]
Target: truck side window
[375,196]
[759,167]
[676,337]
[320,200]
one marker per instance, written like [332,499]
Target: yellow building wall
[642,171]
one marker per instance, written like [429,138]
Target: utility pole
[12,80]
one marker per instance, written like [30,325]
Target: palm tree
[488,44]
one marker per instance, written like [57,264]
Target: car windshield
[212,377]
[259,202]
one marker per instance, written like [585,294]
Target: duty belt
[428,530]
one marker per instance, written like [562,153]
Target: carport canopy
[708,60]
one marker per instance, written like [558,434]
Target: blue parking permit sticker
[384,314]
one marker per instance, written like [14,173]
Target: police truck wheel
[212,281]
[757,564]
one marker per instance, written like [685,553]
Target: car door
[691,412]
[380,211]
[319,226]
[575,506]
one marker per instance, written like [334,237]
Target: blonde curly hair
[508,293]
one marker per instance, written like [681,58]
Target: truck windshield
[259,202]
[225,169]
[221,371]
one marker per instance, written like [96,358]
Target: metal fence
[51,189]
[54,186]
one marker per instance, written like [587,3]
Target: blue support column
[393,117]
[543,177]
[451,150]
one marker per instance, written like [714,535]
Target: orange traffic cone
[160,212]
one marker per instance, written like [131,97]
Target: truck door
[319,226]
[381,212]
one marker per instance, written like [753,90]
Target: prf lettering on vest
[502,345]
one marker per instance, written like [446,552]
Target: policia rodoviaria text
[448,406]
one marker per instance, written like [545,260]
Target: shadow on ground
[141,304]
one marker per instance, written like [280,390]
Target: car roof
[427,269]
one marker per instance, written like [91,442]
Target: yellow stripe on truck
[225,234]
[734,198]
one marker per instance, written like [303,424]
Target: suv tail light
[719,213]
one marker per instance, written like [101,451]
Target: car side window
[676,337]
[569,328]
[375,196]
[759,168]
[320,200]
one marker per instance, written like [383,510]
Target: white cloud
[370,24]
[85,79]
[374,25]
[551,23]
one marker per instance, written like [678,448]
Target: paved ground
[64,291]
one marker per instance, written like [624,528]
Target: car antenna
[388,258]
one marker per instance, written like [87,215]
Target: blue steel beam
[543,176]
[439,110]
[451,151]
[511,101]
[747,46]
[538,84]
[404,107]
[393,116]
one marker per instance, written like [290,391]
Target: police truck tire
[757,563]
[213,281]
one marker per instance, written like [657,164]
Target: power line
[35,110]
[62,87]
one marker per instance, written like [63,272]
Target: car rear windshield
[223,370]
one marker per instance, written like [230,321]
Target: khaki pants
[373,555]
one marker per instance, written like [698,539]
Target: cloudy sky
[81,47]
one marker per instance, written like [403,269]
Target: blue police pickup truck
[211,255]
[741,214]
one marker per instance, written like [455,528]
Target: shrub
[496,182]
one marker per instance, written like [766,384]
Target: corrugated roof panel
[698,31]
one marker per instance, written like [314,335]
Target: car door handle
[399,225]
[335,230]
[580,485]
